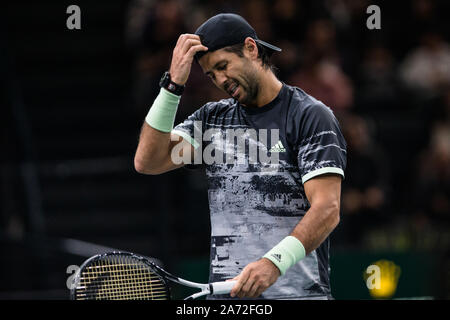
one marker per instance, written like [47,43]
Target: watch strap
[171,86]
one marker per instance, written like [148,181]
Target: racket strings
[120,278]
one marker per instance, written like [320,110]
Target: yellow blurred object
[382,279]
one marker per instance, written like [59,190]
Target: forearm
[152,151]
[310,232]
[317,224]
[154,141]
[307,235]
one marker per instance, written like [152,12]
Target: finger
[194,49]
[246,288]
[241,279]
[258,292]
[253,292]
[190,43]
[186,36]
[263,286]
[237,286]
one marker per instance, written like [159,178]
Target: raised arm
[153,154]
[156,142]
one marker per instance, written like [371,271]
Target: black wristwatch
[169,85]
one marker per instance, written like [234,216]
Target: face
[235,75]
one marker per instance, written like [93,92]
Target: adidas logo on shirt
[278,147]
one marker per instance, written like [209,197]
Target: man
[270,220]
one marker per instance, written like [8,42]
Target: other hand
[255,279]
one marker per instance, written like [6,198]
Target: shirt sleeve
[191,129]
[321,145]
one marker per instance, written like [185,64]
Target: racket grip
[222,287]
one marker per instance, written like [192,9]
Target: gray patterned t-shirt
[255,204]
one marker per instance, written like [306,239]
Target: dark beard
[251,88]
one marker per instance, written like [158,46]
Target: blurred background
[73,102]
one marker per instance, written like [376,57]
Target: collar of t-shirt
[269,106]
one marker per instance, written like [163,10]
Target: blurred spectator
[377,81]
[429,222]
[286,62]
[432,192]
[422,15]
[153,27]
[258,14]
[349,18]
[320,74]
[365,190]
[288,20]
[326,82]
[427,67]
[320,41]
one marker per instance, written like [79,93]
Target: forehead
[208,61]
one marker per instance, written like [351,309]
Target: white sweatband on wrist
[286,253]
[161,115]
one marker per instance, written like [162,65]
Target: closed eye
[222,67]
[219,66]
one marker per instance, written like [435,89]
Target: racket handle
[222,287]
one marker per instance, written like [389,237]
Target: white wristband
[286,253]
[161,115]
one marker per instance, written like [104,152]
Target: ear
[250,48]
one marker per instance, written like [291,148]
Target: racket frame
[206,288]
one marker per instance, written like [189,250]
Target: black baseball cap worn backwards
[226,29]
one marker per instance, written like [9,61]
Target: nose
[221,79]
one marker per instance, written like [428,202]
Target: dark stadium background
[73,101]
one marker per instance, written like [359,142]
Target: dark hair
[263,54]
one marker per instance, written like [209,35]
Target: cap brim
[268,45]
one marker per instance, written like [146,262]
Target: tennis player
[270,228]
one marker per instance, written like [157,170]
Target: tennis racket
[127,276]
